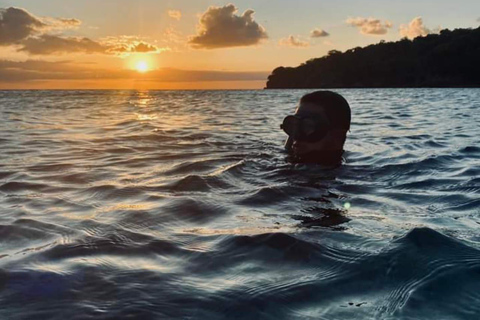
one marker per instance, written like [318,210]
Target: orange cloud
[175,14]
[370,26]
[221,27]
[129,44]
[291,41]
[414,29]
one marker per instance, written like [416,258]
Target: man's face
[331,141]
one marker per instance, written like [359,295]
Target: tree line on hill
[447,59]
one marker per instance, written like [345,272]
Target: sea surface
[181,205]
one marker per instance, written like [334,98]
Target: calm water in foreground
[163,205]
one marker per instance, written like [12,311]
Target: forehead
[311,108]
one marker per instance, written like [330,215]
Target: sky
[197,44]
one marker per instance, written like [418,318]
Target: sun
[141,66]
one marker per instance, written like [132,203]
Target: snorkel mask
[305,127]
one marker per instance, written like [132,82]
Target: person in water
[318,129]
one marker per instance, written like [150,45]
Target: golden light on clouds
[178,44]
[175,14]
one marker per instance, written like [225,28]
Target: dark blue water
[180,205]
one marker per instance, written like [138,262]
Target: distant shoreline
[258,89]
[329,88]
[450,59]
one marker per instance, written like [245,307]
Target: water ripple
[181,205]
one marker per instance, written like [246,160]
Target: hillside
[447,59]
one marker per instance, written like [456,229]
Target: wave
[183,205]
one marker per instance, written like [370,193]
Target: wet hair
[336,107]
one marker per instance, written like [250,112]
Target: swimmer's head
[318,129]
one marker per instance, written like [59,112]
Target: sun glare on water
[142,66]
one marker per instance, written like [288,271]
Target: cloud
[16,25]
[143,47]
[16,71]
[291,41]
[370,26]
[61,23]
[51,44]
[319,33]
[220,27]
[171,35]
[39,70]
[131,46]
[70,22]
[175,14]
[30,34]
[414,29]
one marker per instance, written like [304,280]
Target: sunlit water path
[158,205]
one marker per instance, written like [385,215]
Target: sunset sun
[141,66]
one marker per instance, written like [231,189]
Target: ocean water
[181,205]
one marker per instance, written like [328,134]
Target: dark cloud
[220,27]
[50,44]
[142,47]
[29,34]
[319,33]
[70,22]
[15,71]
[38,70]
[16,25]
[370,26]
